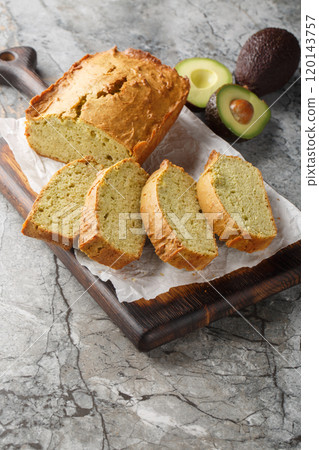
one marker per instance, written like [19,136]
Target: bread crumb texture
[175,224]
[112,232]
[177,198]
[55,215]
[233,197]
[240,188]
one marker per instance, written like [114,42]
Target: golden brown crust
[140,54]
[213,157]
[91,240]
[41,102]
[219,219]
[167,245]
[129,95]
[31,229]
[249,245]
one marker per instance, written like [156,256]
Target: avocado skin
[267,60]
[194,108]
[214,122]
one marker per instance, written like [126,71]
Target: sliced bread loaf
[111,230]
[173,219]
[232,195]
[55,215]
[113,105]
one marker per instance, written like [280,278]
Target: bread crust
[31,229]
[220,220]
[168,246]
[91,240]
[135,101]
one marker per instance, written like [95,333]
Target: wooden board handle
[17,69]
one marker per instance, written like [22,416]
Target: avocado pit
[242,110]
[234,112]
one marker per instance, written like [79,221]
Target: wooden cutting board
[183,309]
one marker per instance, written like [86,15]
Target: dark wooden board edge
[183,309]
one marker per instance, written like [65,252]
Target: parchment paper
[188,144]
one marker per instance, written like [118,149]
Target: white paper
[188,144]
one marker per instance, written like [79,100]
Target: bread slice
[111,230]
[173,219]
[55,215]
[232,195]
[113,105]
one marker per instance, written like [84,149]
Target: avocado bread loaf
[111,105]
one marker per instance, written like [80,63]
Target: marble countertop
[73,381]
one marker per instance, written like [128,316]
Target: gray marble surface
[73,381]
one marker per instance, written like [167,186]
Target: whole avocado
[267,60]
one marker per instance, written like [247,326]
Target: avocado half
[267,60]
[205,75]
[235,112]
